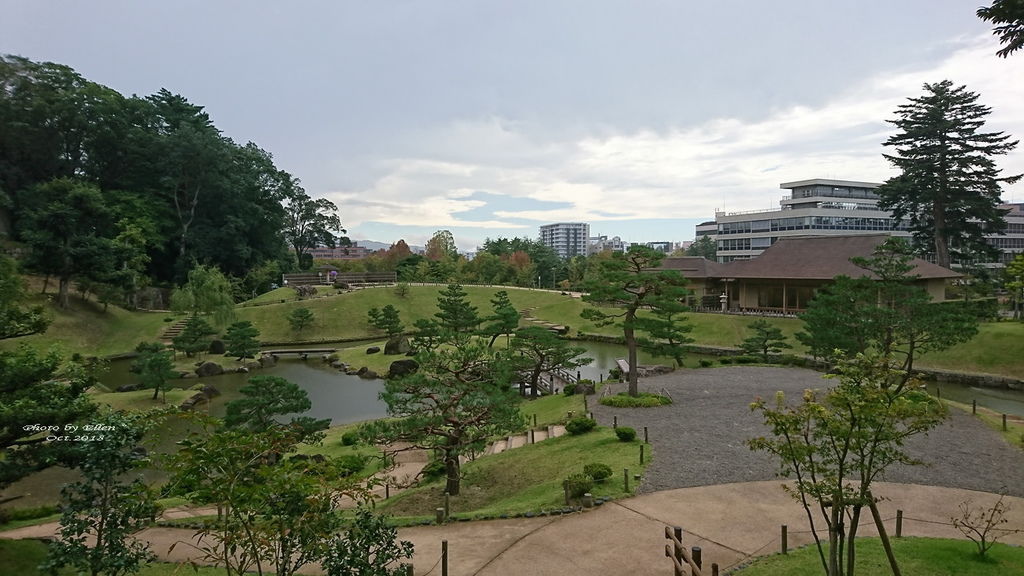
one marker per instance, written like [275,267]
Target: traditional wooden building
[784,277]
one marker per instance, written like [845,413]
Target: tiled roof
[804,257]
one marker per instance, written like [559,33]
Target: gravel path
[700,439]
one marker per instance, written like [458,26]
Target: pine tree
[241,339]
[456,313]
[949,189]
[505,319]
[766,340]
[386,319]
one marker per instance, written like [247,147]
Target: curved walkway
[700,439]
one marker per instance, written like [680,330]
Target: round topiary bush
[597,471]
[578,485]
[580,425]
[569,389]
[625,433]
[706,363]
[350,438]
[725,360]
[644,400]
[350,464]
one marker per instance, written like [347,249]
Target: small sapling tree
[767,340]
[386,319]
[194,337]
[154,366]
[264,399]
[504,320]
[241,340]
[300,319]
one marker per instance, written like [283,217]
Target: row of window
[811,223]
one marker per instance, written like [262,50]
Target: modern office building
[567,239]
[351,252]
[603,243]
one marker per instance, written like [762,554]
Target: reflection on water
[333,394]
[1000,400]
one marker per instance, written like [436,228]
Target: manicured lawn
[526,479]
[916,557]
[997,349]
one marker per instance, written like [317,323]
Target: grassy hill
[86,328]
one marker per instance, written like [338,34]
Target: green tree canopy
[300,318]
[207,291]
[541,350]
[264,399]
[704,247]
[949,187]
[195,337]
[504,320]
[241,340]
[154,365]
[386,319]
[309,222]
[766,340]
[627,282]
[1008,16]
[17,318]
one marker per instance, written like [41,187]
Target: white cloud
[678,172]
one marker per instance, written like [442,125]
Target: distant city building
[663,247]
[567,239]
[351,252]
[604,244]
[821,207]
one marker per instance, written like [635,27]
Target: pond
[335,395]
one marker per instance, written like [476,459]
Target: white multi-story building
[822,207]
[567,239]
[605,244]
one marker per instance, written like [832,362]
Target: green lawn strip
[553,409]
[526,479]
[997,349]
[331,447]
[1014,433]
[22,558]
[916,557]
[143,399]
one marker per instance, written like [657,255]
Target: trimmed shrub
[645,400]
[569,389]
[350,464]
[434,469]
[625,433]
[580,425]
[597,471]
[578,485]
[746,360]
[350,438]
[706,363]
[726,360]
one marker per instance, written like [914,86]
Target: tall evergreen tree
[505,319]
[949,188]
[455,313]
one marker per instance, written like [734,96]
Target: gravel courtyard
[700,439]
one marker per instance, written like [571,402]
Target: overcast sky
[491,118]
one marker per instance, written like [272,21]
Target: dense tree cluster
[114,192]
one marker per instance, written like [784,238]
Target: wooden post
[615,421]
[974,406]
[387,490]
[625,479]
[1004,422]
[535,420]
[938,392]
[645,435]
[578,376]
[641,454]
[444,558]
[899,523]
[677,531]
[584,402]
[601,376]
[439,515]
[533,437]
[697,556]
[447,505]
[785,539]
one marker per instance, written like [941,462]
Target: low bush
[746,360]
[350,438]
[434,469]
[16,514]
[580,425]
[725,360]
[645,400]
[706,363]
[625,433]
[597,471]
[578,485]
[350,464]
[569,389]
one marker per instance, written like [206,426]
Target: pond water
[333,394]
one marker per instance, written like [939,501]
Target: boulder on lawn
[397,345]
[209,391]
[209,369]
[129,387]
[401,368]
[373,349]
[267,360]
[369,375]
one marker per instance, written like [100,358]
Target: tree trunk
[883,536]
[62,298]
[536,383]
[851,554]
[631,353]
[453,470]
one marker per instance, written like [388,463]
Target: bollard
[615,421]
[785,539]
[585,403]
[625,479]
[535,420]
[938,393]
[645,435]
[974,406]
[1004,422]
[444,558]
[602,377]
[696,554]
[566,490]
[387,491]
[641,454]
[447,506]
[899,523]
[439,515]
[578,376]
[588,500]
[533,438]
